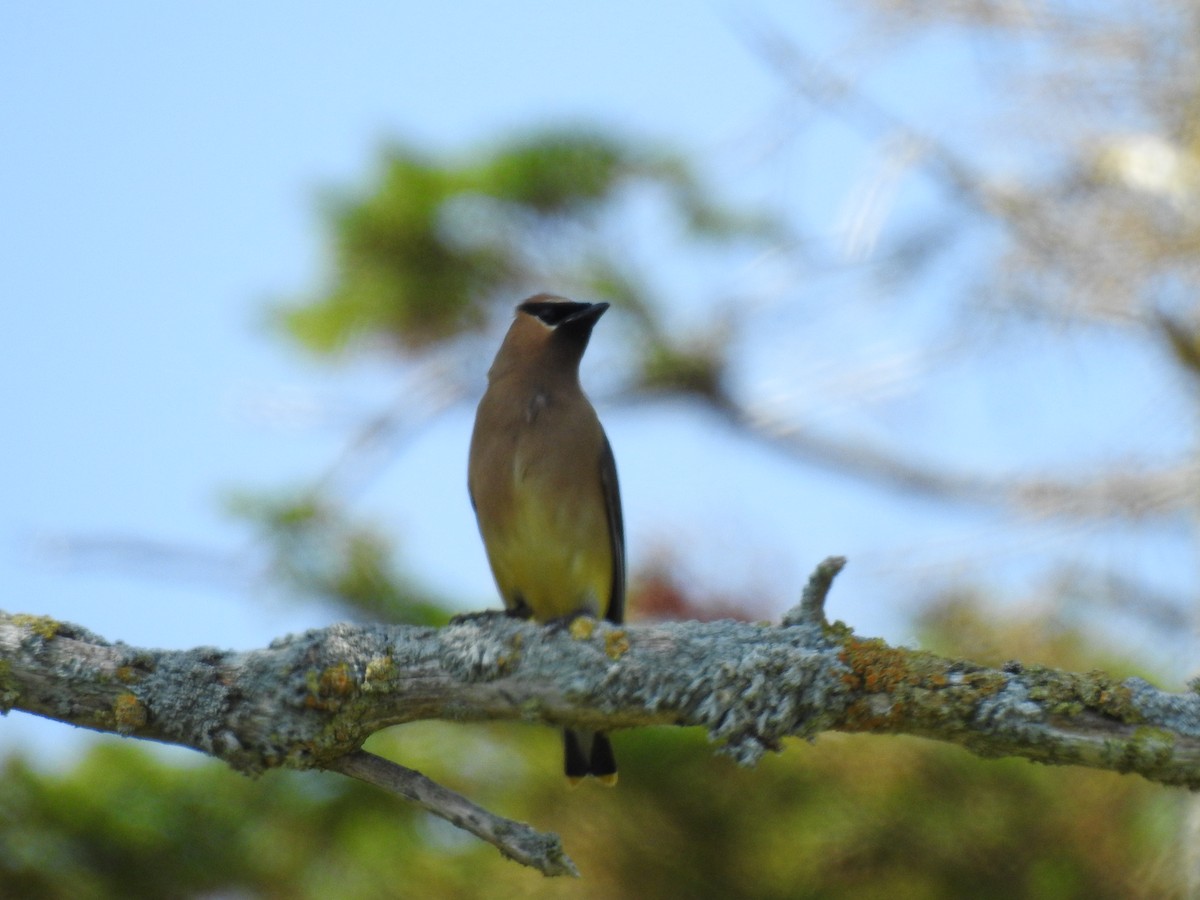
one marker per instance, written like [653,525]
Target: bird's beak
[586,317]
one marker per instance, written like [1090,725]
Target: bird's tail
[589,753]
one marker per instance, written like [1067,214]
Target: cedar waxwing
[544,487]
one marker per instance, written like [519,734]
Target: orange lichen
[337,680]
[582,627]
[616,644]
[909,685]
[328,687]
[129,713]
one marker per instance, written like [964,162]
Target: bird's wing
[616,533]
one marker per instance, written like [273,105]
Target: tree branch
[1126,490]
[516,840]
[310,700]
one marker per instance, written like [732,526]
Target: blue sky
[162,164]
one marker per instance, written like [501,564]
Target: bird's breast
[541,509]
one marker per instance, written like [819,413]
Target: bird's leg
[564,623]
[518,610]
[476,616]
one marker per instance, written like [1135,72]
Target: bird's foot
[572,622]
[478,616]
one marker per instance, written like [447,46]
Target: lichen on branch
[311,700]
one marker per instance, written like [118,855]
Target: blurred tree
[1071,201]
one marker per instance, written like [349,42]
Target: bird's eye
[551,312]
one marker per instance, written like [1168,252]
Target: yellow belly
[556,555]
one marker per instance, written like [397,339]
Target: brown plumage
[544,486]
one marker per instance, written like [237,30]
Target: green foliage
[879,817]
[397,273]
[423,254]
[557,173]
[697,369]
[125,824]
[316,550]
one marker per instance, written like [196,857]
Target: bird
[543,483]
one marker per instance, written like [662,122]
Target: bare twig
[515,840]
[827,90]
[1124,490]
[811,609]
